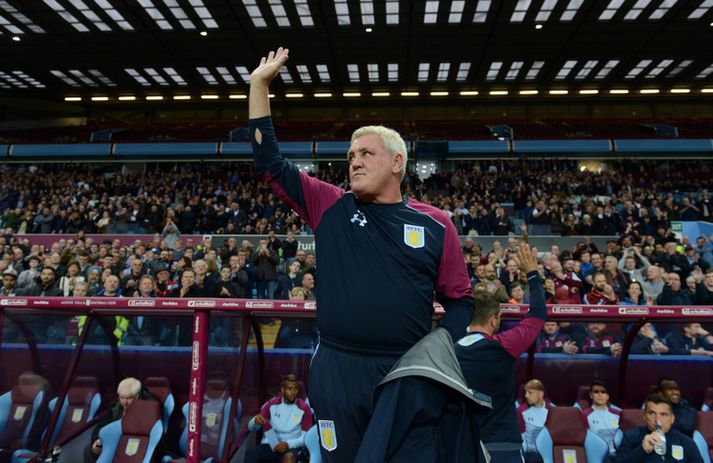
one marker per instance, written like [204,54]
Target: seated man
[638,444]
[552,341]
[532,416]
[601,293]
[691,340]
[284,419]
[648,342]
[602,417]
[684,413]
[596,341]
[129,390]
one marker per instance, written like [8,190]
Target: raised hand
[269,67]
[527,258]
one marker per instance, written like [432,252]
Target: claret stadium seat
[703,435]
[707,405]
[160,388]
[80,406]
[630,418]
[133,438]
[215,429]
[565,438]
[23,414]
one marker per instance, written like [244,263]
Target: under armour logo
[359,218]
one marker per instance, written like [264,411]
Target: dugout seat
[79,407]
[160,388]
[23,414]
[703,435]
[565,438]
[215,430]
[312,444]
[707,404]
[629,418]
[582,401]
[133,438]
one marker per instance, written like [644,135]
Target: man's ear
[397,162]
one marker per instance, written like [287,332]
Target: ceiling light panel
[255,14]
[285,75]
[76,73]
[373,72]
[681,66]
[658,69]
[638,69]
[19,17]
[110,11]
[207,75]
[430,14]
[353,71]
[705,73]
[341,8]
[534,70]
[156,77]
[367,12]
[481,11]
[586,69]
[29,79]
[244,73]
[12,80]
[323,72]
[225,74]
[514,70]
[175,76]
[610,10]
[155,14]
[102,78]
[518,15]
[565,69]
[423,69]
[456,14]
[66,15]
[203,13]
[304,74]
[138,77]
[494,70]
[546,10]
[90,15]
[702,9]
[278,9]
[443,69]
[571,10]
[304,13]
[4,22]
[603,72]
[392,12]
[663,8]
[463,70]
[65,78]
[636,10]
[392,72]
[180,14]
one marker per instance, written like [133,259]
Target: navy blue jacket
[379,264]
[677,445]
[488,364]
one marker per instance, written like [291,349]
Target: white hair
[390,138]
[131,385]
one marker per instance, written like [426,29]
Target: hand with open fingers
[269,67]
[527,258]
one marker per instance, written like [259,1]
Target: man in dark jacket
[45,285]
[685,414]
[638,444]
[266,261]
[129,390]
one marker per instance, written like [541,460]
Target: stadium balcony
[252,343]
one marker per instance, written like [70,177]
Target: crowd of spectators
[645,264]
[482,197]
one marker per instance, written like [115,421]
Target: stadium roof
[101,50]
